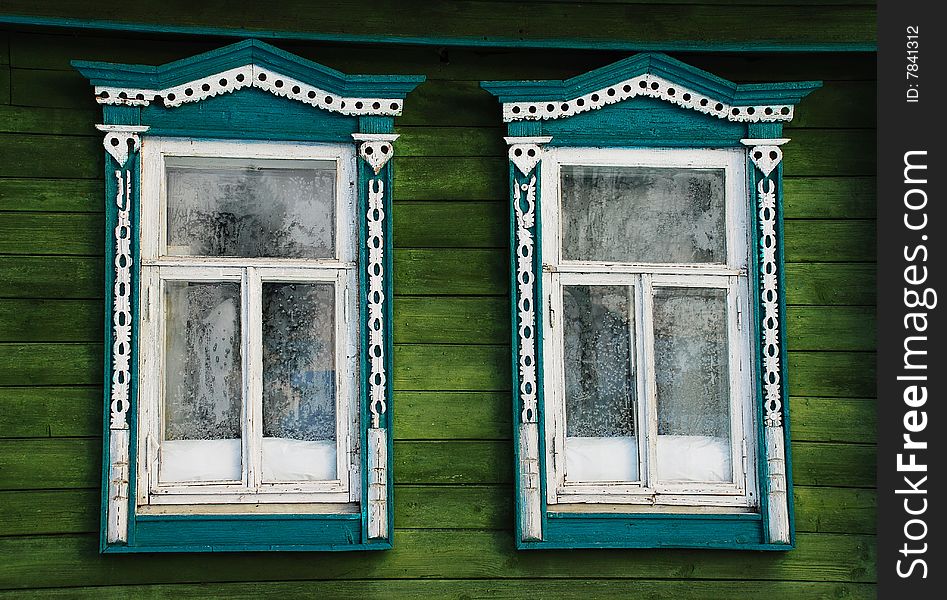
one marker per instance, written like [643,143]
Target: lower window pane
[299,382]
[692,373]
[600,383]
[203,383]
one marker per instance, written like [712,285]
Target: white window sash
[643,277]
[250,273]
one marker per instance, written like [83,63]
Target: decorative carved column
[525,154]
[122,145]
[376,150]
[765,154]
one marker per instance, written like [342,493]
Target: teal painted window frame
[246,91]
[649,101]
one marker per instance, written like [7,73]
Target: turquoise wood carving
[246,91]
[648,101]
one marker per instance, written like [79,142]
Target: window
[646,281]
[647,365]
[248,326]
[249,340]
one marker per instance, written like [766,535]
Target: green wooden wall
[453,465]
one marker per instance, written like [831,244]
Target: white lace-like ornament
[249,76]
[525,279]
[650,86]
[376,297]
[769,296]
[376,148]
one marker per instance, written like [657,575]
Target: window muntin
[683,449]
[295,325]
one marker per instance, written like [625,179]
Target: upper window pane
[251,208]
[643,214]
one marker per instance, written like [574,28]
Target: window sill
[564,530]
[246,533]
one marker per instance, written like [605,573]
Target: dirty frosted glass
[643,214]
[272,208]
[691,359]
[203,381]
[299,372]
[599,373]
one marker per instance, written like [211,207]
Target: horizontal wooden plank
[55,463]
[830,284]
[451,224]
[51,320]
[420,589]
[50,412]
[80,234]
[453,462]
[445,320]
[830,328]
[829,152]
[565,589]
[835,510]
[51,156]
[839,104]
[833,419]
[835,465]
[444,367]
[487,507]
[52,195]
[26,562]
[44,277]
[832,374]
[450,272]
[50,364]
[830,241]
[54,51]
[829,197]
[31,119]
[477,20]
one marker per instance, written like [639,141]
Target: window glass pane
[643,214]
[203,382]
[245,208]
[691,360]
[299,381]
[600,383]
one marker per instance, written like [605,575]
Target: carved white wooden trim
[375,218]
[377,483]
[249,76]
[121,140]
[121,304]
[377,377]
[117,518]
[651,86]
[376,148]
[765,153]
[525,280]
[526,152]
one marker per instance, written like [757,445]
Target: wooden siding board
[55,561]
[523,21]
[452,425]
[460,589]
[469,506]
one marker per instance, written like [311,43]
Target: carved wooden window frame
[303,103]
[650,102]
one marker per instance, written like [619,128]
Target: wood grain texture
[451,404]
